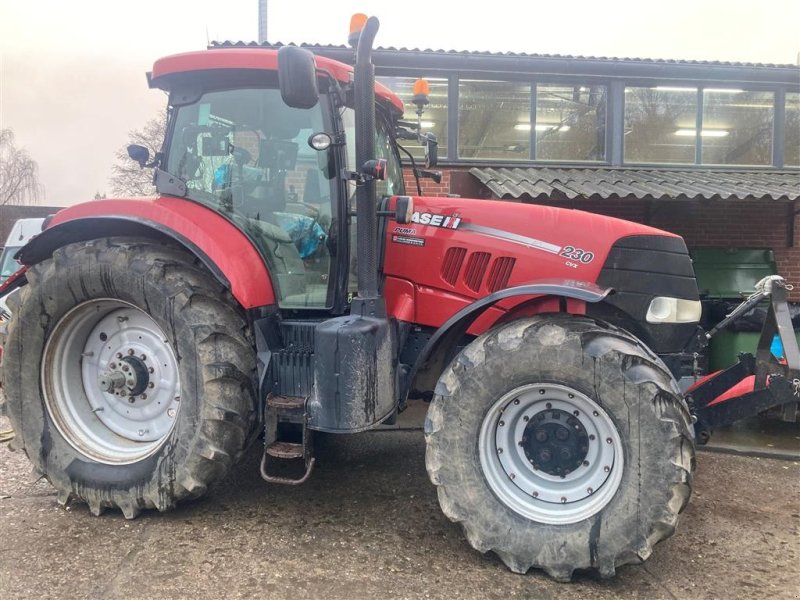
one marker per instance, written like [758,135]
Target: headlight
[663,309]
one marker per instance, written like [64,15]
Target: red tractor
[283,283]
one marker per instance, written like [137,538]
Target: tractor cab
[273,169]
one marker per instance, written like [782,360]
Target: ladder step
[286,402]
[286,450]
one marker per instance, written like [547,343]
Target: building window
[570,122]
[660,124]
[494,120]
[737,127]
[791,156]
[434,119]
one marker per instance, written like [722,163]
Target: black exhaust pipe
[366,203]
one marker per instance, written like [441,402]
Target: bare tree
[19,173]
[127,177]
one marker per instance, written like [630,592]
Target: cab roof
[251,58]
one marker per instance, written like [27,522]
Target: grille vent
[500,273]
[451,266]
[476,269]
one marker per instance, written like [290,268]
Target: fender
[439,350]
[225,250]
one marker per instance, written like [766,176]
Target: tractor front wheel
[129,375]
[560,443]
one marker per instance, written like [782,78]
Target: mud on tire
[614,371]
[203,328]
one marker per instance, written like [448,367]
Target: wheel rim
[550,453]
[110,381]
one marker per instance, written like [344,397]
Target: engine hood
[474,247]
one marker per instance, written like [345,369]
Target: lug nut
[576,412]
[151,385]
[526,418]
[548,406]
[119,355]
[171,412]
[143,396]
[131,353]
[151,370]
[132,399]
[586,463]
[591,437]
[113,366]
[143,357]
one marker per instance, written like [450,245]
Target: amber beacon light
[357,22]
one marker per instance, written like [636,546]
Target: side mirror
[297,77]
[431,151]
[139,153]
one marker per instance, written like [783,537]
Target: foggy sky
[72,78]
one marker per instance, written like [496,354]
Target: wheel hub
[551,453]
[111,381]
[555,442]
[126,376]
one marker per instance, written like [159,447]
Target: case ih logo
[446,221]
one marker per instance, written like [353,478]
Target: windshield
[7,263]
[245,154]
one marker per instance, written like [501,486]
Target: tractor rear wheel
[129,375]
[560,443]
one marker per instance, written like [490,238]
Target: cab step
[286,409]
[285,450]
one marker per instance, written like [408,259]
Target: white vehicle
[21,233]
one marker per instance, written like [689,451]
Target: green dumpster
[725,277]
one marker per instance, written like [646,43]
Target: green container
[726,346]
[731,272]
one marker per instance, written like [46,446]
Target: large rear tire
[560,443]
[129,375]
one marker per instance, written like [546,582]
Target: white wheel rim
[96,342]
[511,460]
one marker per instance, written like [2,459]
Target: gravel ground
[368,525]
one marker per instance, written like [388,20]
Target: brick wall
[748,223]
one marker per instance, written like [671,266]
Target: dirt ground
[368,525]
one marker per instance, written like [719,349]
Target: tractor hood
[456,250]
[475,247]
